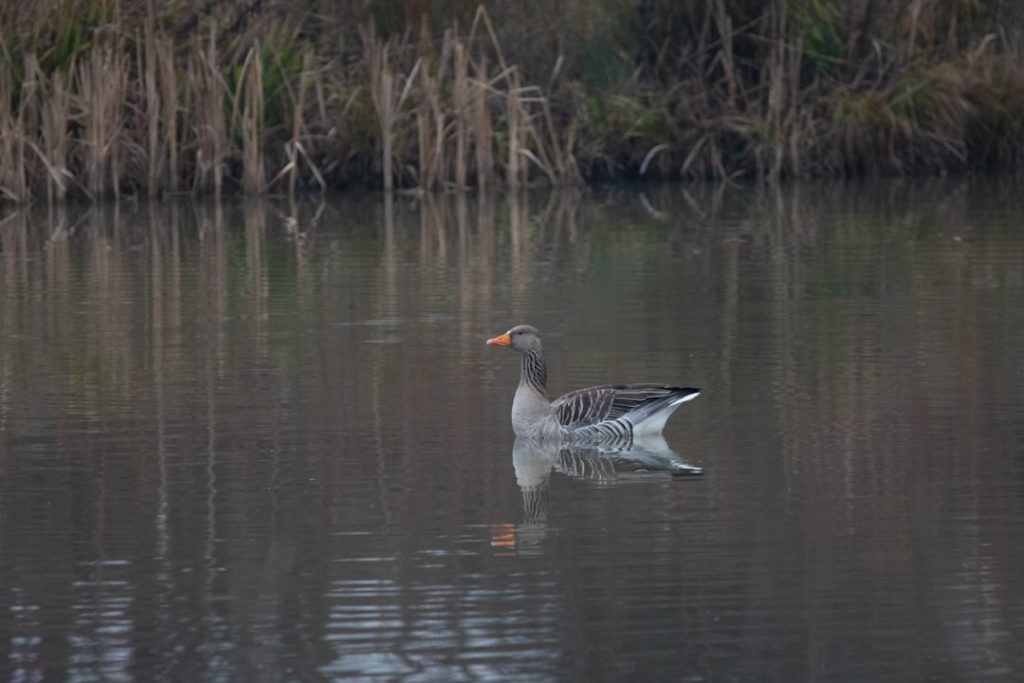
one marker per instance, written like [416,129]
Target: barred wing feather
[591,406]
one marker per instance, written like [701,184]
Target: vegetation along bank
[102,98]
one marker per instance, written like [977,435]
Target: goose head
[522,338]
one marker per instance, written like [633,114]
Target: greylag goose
[613,412]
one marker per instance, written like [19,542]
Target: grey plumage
[613,412]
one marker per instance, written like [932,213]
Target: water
[251,441]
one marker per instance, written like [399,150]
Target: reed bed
[102,98]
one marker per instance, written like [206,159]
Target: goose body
[613,412]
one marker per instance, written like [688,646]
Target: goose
[613,412]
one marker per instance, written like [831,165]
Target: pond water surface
[249,441]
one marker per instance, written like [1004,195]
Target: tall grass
[102,98]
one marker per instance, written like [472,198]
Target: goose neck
[534,371]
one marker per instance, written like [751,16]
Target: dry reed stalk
[460,103]
[251,82]
[102,86]
[542,163]
[783,91]
[482,17]
[430,122]
[561,142]
[382,87]
[423,144]
[387,100]
[483,135]
[295,150]
[771,124]
[298,125]
[437,111]
[513,113]
[546,152]
[513,106]
[164,54]
[424,129]
[13,181]
[914,10]
[538,152]
[33,97]
[321,99]
[151,89]
[430,115]
[724,24]
[207,93]
[792,127]
[558,156]
[54,118]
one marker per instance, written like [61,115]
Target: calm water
[252,442]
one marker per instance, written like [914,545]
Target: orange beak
[500,340]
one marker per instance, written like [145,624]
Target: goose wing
[634,459]
[591,406]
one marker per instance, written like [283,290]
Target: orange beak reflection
[503,539]
[500,340]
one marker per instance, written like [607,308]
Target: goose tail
[650,418]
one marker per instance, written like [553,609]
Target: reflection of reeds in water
[204,304]
[485,245]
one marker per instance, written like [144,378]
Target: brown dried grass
[101,108]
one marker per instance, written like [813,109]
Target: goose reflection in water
[646,460]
